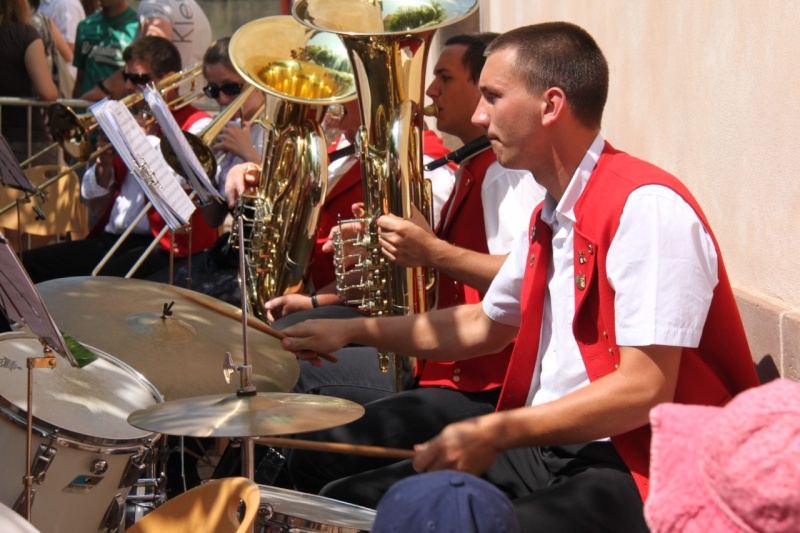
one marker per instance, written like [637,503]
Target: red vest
[464,228]
[203,235]
[711,374]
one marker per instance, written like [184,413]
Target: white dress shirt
[661,263]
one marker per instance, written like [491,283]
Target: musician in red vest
[616,292]
[117,197]
[488,207]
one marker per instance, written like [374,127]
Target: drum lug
[135,469]
[42,461]
[112,520]
[44,458]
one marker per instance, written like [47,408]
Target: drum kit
[99,430]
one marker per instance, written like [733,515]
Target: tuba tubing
[388,44]
[302,72]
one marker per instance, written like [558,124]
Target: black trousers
[79,258]
[582,488]
[356,376]
[399,420]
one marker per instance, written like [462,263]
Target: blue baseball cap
[445,502]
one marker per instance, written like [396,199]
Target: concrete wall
[709,91]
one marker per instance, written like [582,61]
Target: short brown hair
[563,55]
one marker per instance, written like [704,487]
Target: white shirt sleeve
[662,265]
[89,187]
[502,300]
[442,181]
[508,197]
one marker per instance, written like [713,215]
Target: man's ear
[554,102]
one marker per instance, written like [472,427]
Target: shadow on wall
[767,369]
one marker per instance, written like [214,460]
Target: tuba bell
[302,71]
[388,44]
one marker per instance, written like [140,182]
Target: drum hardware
[114,514]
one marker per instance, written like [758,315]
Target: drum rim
[290,496]
[75,439]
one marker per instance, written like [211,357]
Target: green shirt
[99,43]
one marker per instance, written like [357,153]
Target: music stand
[22,304]
[11,175]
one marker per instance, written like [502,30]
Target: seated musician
[356,377]
[108,185]
[487,209]
[616,294]
[215,271]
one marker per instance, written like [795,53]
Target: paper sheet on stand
[154,175]
[193,169]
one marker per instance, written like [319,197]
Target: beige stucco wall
[710,91]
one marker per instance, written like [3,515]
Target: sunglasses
[231,89]
[137,79]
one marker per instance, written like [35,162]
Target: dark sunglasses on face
[137,79]
[231,89]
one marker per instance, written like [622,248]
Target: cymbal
[179,352]
[263,414]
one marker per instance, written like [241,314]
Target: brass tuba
[302,71]
[388,45]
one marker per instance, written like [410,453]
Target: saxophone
[388,44]
[302,71]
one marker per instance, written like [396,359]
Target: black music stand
[21,303]
[11,175]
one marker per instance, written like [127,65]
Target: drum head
[308,512]
[93,401]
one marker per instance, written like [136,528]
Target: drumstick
[337,447]
[237,315]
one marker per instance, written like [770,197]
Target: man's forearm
[469,267]
[457,333]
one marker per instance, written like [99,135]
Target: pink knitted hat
[732,468]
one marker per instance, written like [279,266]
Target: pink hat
[732,468]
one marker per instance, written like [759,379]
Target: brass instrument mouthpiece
[430,110]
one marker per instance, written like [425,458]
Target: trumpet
[72,131]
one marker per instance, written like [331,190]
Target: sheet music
[10,172]
[22,303]
[193,169]
[152,172]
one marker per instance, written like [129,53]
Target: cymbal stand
[48,360]
[246,387]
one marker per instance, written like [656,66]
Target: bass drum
[285,510]
[85,455]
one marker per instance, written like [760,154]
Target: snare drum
[85,455]
[287,510]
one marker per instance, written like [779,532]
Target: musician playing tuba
[479,223]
